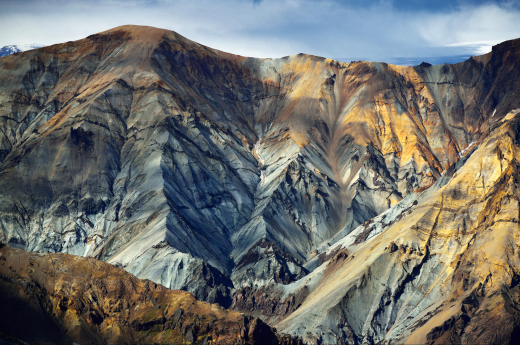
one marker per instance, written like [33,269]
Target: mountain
[65,299]
[8,50]
[442,268]
[253,183]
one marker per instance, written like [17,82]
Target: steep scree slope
[441,269]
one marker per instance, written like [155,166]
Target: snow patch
[463,152]
[13,48]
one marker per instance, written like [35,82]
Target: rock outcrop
[236,178]
[66,299]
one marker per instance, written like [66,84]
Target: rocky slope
[65,299]
[441,267]
[230,177]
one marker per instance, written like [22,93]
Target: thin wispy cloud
[402,32]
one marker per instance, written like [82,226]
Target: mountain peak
[234,178]
[16,48]
[140,32]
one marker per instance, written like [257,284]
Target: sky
[404,32]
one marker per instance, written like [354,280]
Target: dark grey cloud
[405,32]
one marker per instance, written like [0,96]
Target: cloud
[474,29]
[381,30]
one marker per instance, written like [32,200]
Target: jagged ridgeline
[341,202]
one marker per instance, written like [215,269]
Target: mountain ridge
[61,298]
[224,175]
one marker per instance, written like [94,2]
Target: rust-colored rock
[61,298]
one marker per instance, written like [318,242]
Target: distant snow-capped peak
[16,48]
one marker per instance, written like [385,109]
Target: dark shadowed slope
[65,299]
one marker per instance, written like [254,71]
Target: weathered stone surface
[263,264]
[66,299]
[442,271]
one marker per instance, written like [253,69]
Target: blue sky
[403,32]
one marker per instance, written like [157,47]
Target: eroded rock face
[438,268]
[211,172]
[65,299]
[263,264]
